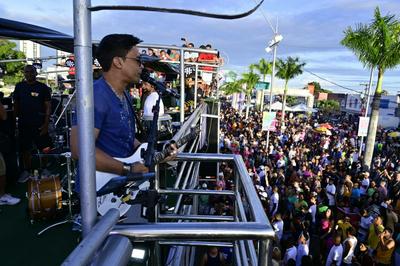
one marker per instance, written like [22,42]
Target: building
[30,49]
[389,109]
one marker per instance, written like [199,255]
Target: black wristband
[126,168]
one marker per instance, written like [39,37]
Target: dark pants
[30,138]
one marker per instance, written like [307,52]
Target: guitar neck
[163,154]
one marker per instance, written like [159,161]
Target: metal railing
[240,230]
[248,223]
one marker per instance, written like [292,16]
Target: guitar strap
[135,117]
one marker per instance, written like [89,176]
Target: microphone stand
[152,196]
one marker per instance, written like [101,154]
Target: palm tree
[249,80]
[264,68]
[377,45]
[287,70]
[230,88]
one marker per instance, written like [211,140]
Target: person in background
[385,248]
[336,253]
[349,246]
[32,106]
[5,199]
[213,257]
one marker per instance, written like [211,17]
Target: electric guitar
[108,201]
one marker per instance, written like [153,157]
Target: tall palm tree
[377,45]
[250,80]
[287,70]
[264,68]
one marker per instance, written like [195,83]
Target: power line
[265,17]
[346,88]
[332,82]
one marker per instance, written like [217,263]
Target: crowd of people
[325,206]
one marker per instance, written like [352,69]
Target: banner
[363,126]
[269,121]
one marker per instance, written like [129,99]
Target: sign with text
[269,121]
[363,126]
[261,85]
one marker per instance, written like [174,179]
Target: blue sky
[312,30]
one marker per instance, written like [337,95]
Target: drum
[44,197]
[164,125]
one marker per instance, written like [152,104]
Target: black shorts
[29,138]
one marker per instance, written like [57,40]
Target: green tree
[377,45]
[318,88]
[250,80]
[291,100]
[13,70]
[230,88]
[287,70]
[231,75]
[328,106]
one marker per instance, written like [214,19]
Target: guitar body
[108,201]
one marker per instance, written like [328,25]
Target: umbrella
[321,129]
[394,134]
[301,115]
[326,125]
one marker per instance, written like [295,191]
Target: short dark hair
[114,45]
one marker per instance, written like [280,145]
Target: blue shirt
[115,120]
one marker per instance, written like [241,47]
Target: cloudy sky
[312,30]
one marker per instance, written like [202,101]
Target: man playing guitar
[114,120]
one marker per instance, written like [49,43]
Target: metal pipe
[204,157]
[84,86]
[178,202]
[264,252]
[251,194]
[195,231]
[182,77]
[197,243]
[195,85]
[116,251]
[178,180]
[243,253]
[84,252]
[198,217]
[173,47]
[270,92]
[249,244]
[236,254]
[65,108]
[196,192]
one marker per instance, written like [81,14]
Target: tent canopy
[303,108]
[278,106]
[10,29]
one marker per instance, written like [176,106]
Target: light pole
[273,44]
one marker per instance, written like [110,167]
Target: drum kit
[45,195]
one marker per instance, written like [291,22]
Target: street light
[272,45]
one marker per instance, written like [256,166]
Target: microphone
[159,86]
